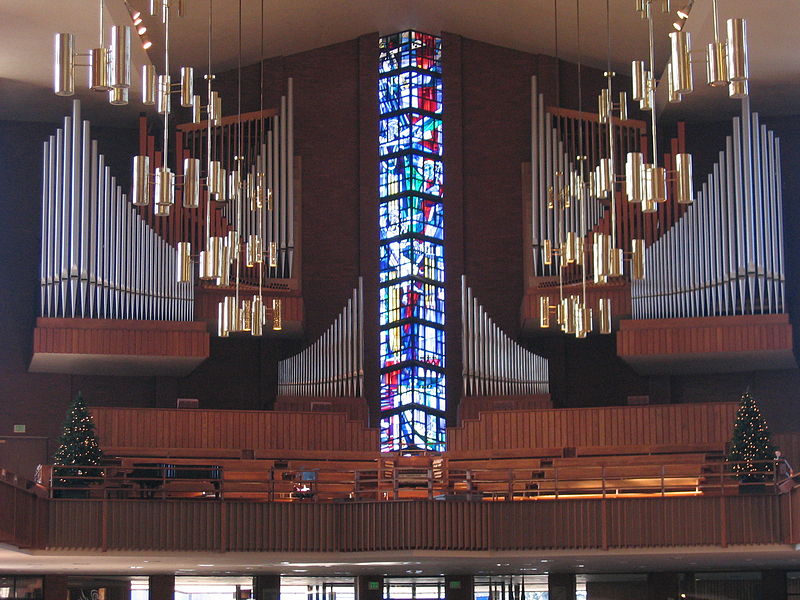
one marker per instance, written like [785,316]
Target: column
[55,587]
[458,587]
[561,586]
[369,587]
[162,587]
[267,587]
[773,585]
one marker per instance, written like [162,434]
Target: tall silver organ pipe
[334,364]
[725,255]
[99,258]
[493,363]
[555,146]
[274,158]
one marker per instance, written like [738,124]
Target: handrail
[388,482]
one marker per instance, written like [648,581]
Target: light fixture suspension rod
[209,148]
[238,164]
[654,158]
[715,11]
[610,130]
[581,197]
[165,8]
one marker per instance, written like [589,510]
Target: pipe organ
[100,258]
[493,363]
[334,364]
[560,140]
[725,255]
[267,147]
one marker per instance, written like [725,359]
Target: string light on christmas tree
[79,452]
[751,444]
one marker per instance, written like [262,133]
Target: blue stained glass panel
[412,384]
[410,49]
[410,90]
[410,131]
[410,257]
[412,341]
[413,429]
[411,215]
[410,173]
[411,302]
[412,299]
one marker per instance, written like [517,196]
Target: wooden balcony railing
[241,526]
[23,506]
[103,523]
[517,480]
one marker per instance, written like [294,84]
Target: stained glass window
[411,215]
[411,188]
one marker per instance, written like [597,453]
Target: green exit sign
[455,584]
[373,585]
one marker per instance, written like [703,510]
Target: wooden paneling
[117,336]
[88,346]
[669,424]
[470,407]
[702,344]
[256,430]
[24,514]
[415,525]
[356,409]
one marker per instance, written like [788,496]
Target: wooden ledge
[118,347]
[707,344]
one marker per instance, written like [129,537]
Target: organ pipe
[334,364]
[493,363]
[725,255]
[99,258]
[269,170]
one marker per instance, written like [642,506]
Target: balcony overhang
[118,347]
[707,344]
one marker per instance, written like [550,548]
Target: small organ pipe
[493,363]
[333,365]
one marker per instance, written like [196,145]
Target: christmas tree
[751,446]
[78,451]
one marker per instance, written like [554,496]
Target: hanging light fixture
[576,187]
[109,66]
[726,60]
[246,187]
[158,90]
[646,183]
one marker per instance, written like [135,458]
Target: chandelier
[109,65]
[244,186]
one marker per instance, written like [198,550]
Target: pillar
[773,585]
[162,587]
[561,586]
[663,586]
[54,587]
[267,587]
[369,587]
[458,587]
